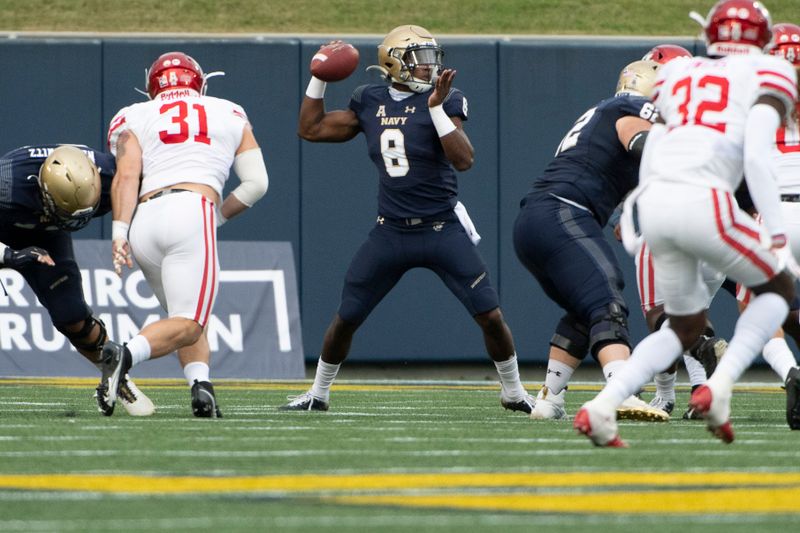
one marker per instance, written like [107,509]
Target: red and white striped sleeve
[117,125]
[776,77]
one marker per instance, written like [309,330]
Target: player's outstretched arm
[19,258]
[252,171]
[124,196]
[457,146]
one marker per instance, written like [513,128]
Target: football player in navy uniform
[46,192]
[558,237]
[413,128]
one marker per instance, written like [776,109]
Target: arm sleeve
[252,172]
[762,122]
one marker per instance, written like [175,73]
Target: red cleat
[715,409]
[601,430]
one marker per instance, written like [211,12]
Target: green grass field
[387,457]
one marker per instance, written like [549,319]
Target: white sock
[756,325]
[326,373]
[196,370]
[558,375]
[654,354]
[612,367]
[665,385]
[139,348]
[697,374]
[509,378]
[777,353]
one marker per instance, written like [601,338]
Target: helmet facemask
[403,50]
[420,55]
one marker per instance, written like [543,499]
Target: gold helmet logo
[70,187]
[638,78]
[403,50]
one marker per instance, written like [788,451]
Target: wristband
[441,121]
[119,230]
[220,218]
[316,88]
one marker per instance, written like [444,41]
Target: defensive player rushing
[558,236]
[182,144]
[721,115]
[46,193]
[420,221]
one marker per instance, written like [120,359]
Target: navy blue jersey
[591,167]
[416,178]
[20,201]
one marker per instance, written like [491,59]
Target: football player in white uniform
[174,154]
[721,114]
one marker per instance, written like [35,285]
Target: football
[334,62]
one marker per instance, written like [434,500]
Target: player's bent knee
[571,336]
[609,327]
[490,320]
[84,336]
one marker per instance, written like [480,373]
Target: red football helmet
[786,42]
[174,69]
[735,27]
[664,53]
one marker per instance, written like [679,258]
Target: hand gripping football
[334,61]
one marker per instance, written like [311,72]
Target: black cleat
[709,350]
[692,414]
[204,402]
[524,405]
[304,402]
[116,361]
[793,398]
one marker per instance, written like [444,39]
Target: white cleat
[598,425]
[549,406]
[634,408]
[135,402]
[666,405]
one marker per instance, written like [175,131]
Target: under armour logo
[556,372]
[410,109]
[437,226]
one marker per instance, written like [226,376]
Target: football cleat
[634,408]
[793,398]
[691,414]
[662,403]
[524,404]
[599,427]
[204,402]
[714,407]
[304,402]
[549,406]
[709,350]
[135,402]
[116,361]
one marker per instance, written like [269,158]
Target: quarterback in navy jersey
[46,192]
[558,237]
[413,128]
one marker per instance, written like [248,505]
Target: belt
[163,192]
[790,197]
[441,217]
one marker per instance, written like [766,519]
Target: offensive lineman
[558,237]
[721,115]
[182,144]
[420,221]
[47,192]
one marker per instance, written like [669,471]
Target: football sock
[558,375]
[756,325]
[139,348]
[509,378]
[612,367]
[779,356]
[697,374]
[196,371]
[323,380]
[654,354]
[665,385]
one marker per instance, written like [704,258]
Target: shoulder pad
[356,97]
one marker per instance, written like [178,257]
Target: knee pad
[610,327]
[77,338]
[572,337]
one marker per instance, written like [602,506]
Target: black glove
[19,258]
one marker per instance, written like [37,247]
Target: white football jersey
[184,137]
[705,103]
[787,158]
